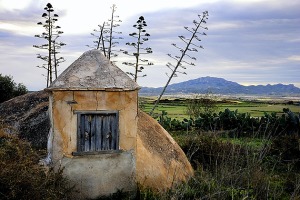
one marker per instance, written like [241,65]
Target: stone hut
[101,139]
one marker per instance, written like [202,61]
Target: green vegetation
[22,178]
[234,155]
[201,105]
[258,108]
[228,170]
[9,89]
[242,150]
[177,107]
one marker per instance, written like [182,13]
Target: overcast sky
[248,41]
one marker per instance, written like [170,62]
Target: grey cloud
[255,34]
[244,43]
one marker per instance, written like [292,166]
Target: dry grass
[22,178]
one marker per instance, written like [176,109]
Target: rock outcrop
[160,162]
[27,115]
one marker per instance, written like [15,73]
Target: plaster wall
[97,175]
[64,120]
[99,170]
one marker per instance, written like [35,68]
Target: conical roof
[93,71]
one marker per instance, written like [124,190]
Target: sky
[250,42]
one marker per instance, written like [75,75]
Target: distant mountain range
[222,86]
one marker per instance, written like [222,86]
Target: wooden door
[98,132]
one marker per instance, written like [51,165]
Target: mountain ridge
[222,86]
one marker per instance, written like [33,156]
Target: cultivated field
[255,106]
[235,156]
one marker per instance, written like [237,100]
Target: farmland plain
[255,106]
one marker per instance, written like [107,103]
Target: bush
[237,124]
[225,170]
[22,178]
[174,124]
[198,105]
[286,149]
[9,89]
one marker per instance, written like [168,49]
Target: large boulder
[160,162]
[27,115]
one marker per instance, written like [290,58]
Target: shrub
[225,170]
[22,178]
[286,149]
[174,124]
[9,89]
[237,124]
[198,105]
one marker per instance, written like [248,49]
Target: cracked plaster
[98,73]
[148,154]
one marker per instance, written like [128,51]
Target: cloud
[14,4]
[246,42]
[294,58]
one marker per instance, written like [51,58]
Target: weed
[22,178]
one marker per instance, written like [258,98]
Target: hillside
[222,86]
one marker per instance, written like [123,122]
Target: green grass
[240,168]
[177,110]
[254,143]
[174,111]
[257,109]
